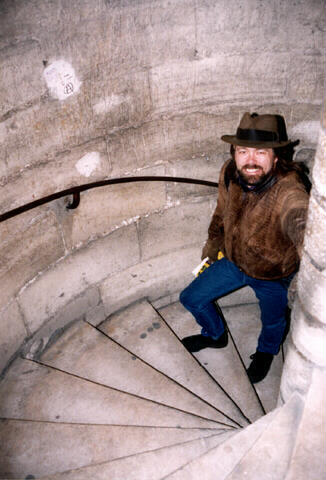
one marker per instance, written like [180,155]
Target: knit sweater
[261,231]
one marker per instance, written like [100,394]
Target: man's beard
[257,179]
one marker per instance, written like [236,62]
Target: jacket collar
[260,187]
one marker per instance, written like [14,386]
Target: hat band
[256,135]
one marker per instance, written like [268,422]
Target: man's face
[254,164]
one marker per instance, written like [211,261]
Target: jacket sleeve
[294,215]
[215,241]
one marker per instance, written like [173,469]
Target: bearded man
[258,225]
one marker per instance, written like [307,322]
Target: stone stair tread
[244,324]
[151,465]
[141,330]
[224,365]
[262,450]
[30,448]
[35,392]
[219,462]
[308,458]
[275,446]
[86,352]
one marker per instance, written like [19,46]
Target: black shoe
[258,369]
[194,343]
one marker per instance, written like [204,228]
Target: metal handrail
[75,191]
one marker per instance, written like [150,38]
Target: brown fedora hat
[257,131]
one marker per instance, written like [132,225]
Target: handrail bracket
[75,201]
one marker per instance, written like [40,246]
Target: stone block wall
[108,88]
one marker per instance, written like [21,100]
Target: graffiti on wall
[61,79]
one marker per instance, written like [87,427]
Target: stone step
[308,458]
[87,353]
[36,392]
[145,466]
[261,451]
[219,462]
[275,446]
[244,323]
[33,449]
[143,332]
[224,364]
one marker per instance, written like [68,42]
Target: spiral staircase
[125,400]
[97,384]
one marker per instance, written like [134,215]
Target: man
[258,225]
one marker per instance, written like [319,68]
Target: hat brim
[253,144]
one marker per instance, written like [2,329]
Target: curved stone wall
[96,90]
[306,353]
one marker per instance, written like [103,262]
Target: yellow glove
[205,264]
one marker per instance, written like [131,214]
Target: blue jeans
[223,277]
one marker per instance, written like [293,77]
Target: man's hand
[210,250]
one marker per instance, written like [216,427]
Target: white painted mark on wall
[61,79]
[108,103]
[88,163]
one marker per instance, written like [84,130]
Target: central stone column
[306,351]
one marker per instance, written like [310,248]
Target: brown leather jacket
[260,231]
